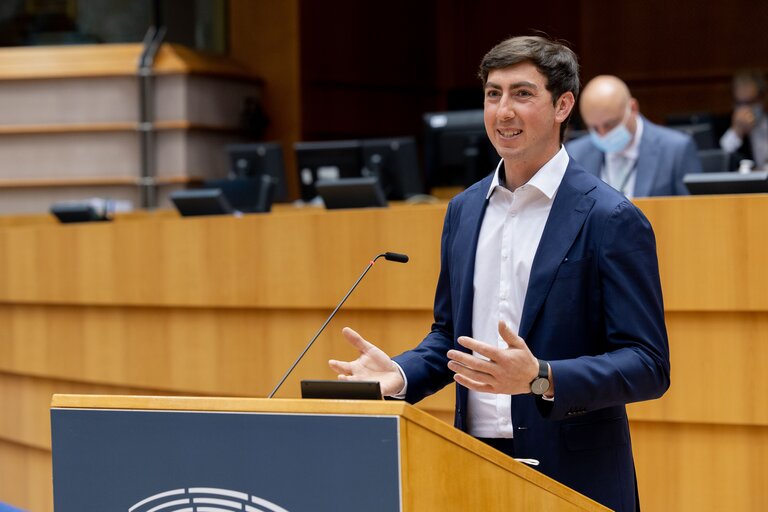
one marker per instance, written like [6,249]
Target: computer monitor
[89,210]
[329,160]
[247,195]
[727,183]
[255,159]
[201,201]
[223,197]
[395,162]
[714,160]
[457,151]
[351,193]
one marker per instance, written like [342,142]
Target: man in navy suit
[630,153]
[548,309]
[747,137]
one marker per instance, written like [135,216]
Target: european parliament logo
[204,499]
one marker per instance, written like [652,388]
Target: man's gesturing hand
[507,371]
[372,365]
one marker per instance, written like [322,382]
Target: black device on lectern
[341,390]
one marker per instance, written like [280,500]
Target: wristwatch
[540,384]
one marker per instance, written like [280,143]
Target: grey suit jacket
[664,157]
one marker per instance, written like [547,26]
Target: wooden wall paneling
[467,30]
[665,50]
[367,69]
[239,352]
[707,350]
[25,477]
[29,397]
[264,36]
[724,237]
[696,467]
[248,261]
[105,60]
[671,40]
[156,258]
[408,58]
[223,306]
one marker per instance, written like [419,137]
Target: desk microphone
[389,256]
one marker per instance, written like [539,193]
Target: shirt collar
[547,179]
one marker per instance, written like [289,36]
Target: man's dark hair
[751,76]
[555,61]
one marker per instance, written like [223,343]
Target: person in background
[633,155]
[548,310]
[747,138]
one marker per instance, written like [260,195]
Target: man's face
[603,114]
[746,94]
[520,119]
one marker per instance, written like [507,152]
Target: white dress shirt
[619,168]
[758,139]
[509,237]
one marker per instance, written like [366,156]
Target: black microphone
[389,256]
[394,256]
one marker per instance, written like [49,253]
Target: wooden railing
[155,303]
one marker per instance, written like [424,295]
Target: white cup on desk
[746,166]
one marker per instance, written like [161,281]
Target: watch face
[540,386]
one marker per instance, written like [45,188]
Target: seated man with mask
[747,138]
[633,155]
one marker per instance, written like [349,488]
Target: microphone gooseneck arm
[390,256]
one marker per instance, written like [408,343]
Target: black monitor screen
[727,183]
[395,162]
[457,151]
[198,202]
[326,161]
[351,193]
[250,161]
[247,195]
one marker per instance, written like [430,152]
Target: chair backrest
[714,160]
[703,134]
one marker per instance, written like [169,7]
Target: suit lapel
[647,161]
[593,160]
[567,216]
[472,214]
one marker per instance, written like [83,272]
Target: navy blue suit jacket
[593,309]
[664,157]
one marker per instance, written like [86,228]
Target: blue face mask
[613,141]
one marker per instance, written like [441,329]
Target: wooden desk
[222,305]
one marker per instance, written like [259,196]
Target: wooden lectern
[138,454]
